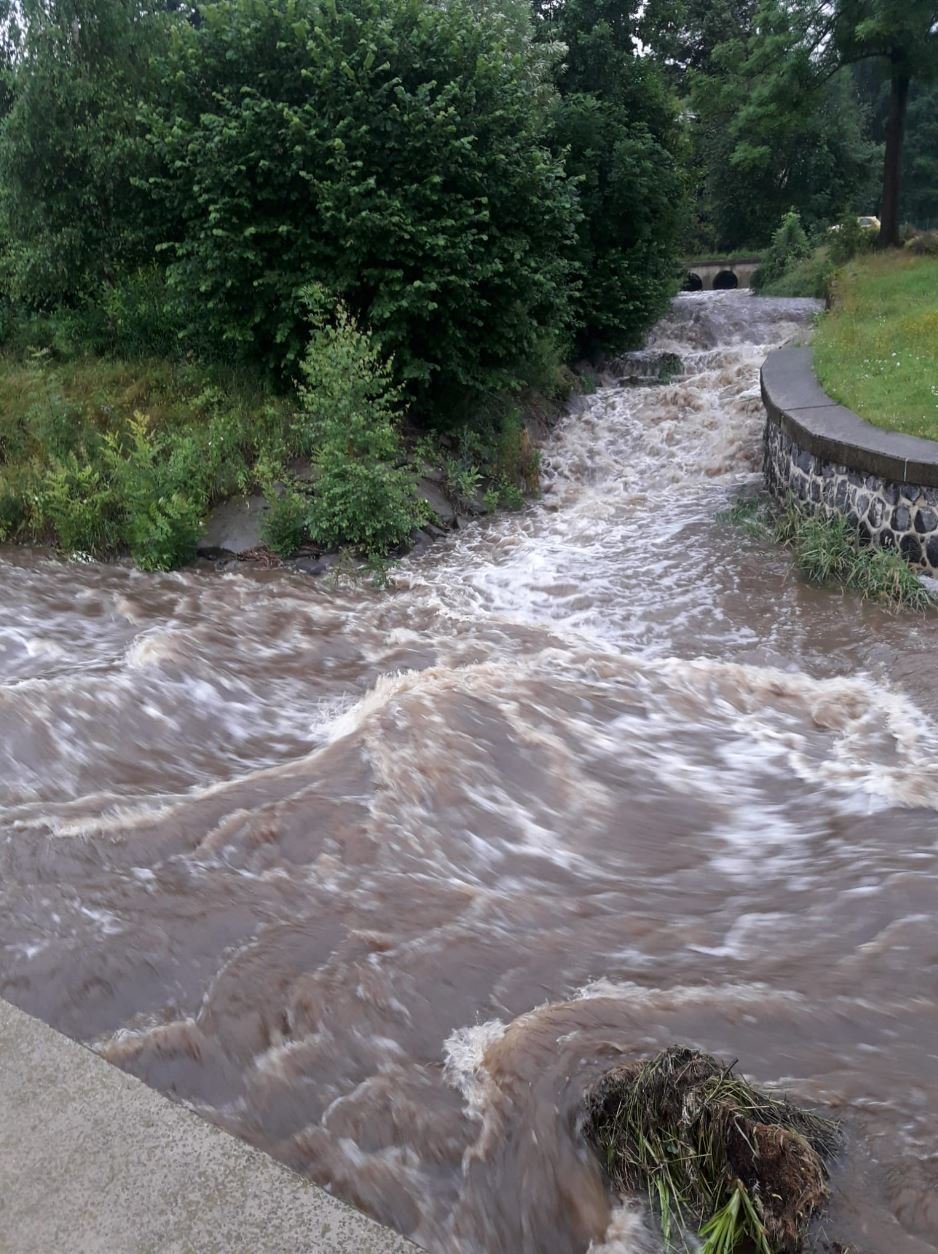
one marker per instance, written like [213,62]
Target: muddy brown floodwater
[380,880]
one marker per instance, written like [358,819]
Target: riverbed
[381,879]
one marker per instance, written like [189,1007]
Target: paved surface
[94,1162]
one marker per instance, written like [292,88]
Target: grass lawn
[877,350]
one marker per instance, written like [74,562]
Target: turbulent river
[381,880]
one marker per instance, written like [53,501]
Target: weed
[284,527]
[828,550]
[712,1152]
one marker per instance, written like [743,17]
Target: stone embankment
[829,459]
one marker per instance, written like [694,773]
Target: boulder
[233,527]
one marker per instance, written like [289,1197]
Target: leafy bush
[924,245]
[141,316]
[364,496]
[401,161]
[848,239]
[789,246]
[812,276]
[161,491]
[76,500]
[284,527]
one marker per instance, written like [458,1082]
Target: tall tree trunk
[892,167]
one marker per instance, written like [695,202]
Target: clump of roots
[713,1153]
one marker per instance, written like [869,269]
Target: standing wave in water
[381,881]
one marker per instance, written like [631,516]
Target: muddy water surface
[381,880]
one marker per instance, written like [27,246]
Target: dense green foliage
[73,218]
[388,150]
[364,495]
[484,191]
[617,123]
[789,246]
[779,123]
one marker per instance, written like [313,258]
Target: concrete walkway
[94,1162]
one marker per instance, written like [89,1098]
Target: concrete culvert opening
[692,282]
[725,281]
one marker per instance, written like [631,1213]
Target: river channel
[380,880]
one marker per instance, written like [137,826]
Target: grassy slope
[877,350]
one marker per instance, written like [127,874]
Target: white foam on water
[464,1051]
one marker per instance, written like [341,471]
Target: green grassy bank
[876,351]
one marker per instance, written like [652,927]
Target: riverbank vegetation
[876,351]
[827,550]
[206,195]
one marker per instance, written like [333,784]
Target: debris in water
[713,1152]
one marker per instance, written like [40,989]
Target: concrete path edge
[92,1161]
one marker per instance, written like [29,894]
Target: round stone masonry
[823,455]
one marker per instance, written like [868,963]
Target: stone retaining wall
[829,459]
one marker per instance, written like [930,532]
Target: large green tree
[904,34]
[617,124]
[900,34]
[682,35]
[73,216]
[772,135]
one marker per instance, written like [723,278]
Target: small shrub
[161,497]
[849,239]
[463,484]
[924,245]
[77,502]
[812,276]
[365,497]
[789,246]
[284,527]
[141,316]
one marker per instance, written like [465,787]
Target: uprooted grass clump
[713,1153]
[828,550]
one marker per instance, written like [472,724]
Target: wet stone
[855,478]
[886,539]
[901,518]
[911,548]
[931,552]
[890,493]
[862,503]
[926,521]
[909,492]
[815,491]
[827,470]
[875,512]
